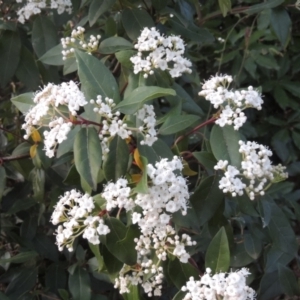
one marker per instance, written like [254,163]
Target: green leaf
[157,151]
[95,80]
[70,66]
[217,257]
[45,247]
[124,57]
[180,272]
[288,281]
[53,56]
[179,296]
[2,181]
[207,199]
[44,35]
[79,284]
[120,241]
[135,20]
[112,264]
[139,96]
[133,293]
[23,102]
[67,145]
[21,283]
[253,245]
[274,257]
[27,70]
[20,258]
[114,44]
[269,287]
[37,177]
[257,8]
[95,249]
[175,124]
[10,47]
[142,186]
[98,8]
[266,61]
[21,204]
[225,144]
[116,163]
[206,159]
[225,7]
[246,205]
[88,155]
[281,24]
[56,277]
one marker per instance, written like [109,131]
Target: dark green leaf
[2,181]
[56,277]
[288,281]
[88,155]
[116,163]
[135,20]
[224,143]
[53,56]
[114,44]
[67,145]
[217,257]
[207,199]
[141,95]
[10,47]
[246,205]
[120,241]
[20,258]
[281,24]
[124,57]
[269,286]
[253,245]
[175,124]
[21,283]
[95,249]
[45,247]
[44,35]
[276,256]
[133,293]
[27,71]
[28,227]
[21,204]
[206,159]
[180,272]
[112,264]
[266,61]
[79,284]
[98,8]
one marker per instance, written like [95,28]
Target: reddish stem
[11,158]
[84,122]
[210,121]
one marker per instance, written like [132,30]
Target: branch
[210,121]
[11,158]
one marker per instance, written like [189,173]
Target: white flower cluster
[232,103]
[152,211]
[147,115]
[165,53]
[230,286]
[74,211]
[77,40]
[34,7]
[111,123]
[46,112]
[256,169]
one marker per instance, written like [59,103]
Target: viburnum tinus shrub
[136,157]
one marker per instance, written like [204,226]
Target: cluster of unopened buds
[232,103]
[77,41]
[255,175]
[158,52]
[226,286]
[34,7]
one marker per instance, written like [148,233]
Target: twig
[11,158]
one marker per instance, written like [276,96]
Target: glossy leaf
[253,245]
[262,6]
[53,56]
[206,159]
[88,155]
[79,284]
[44,36]
[142,186]
[281,24]
[116,163]
[23,102]
[95,249]
[10,49]
[139,96]
[225,6]
[56,277]
[175,124]
[135,20]
[217,257]
[20,258]
[224,143]
[98,8]
[114,44]
[288,281]
[120,241]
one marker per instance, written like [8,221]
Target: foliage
[255,42]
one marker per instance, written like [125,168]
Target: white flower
[165,54]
